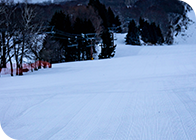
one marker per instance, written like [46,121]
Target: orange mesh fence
[25,67]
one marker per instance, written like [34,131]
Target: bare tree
[1,11]
[29,36]
[8,27]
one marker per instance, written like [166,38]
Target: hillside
[188,36]
[170,15]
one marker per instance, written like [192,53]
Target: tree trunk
[20,71]
[10,59]
[3,58]
[11,69]
[39,64]
[17,64]
[22,54]
[17,68]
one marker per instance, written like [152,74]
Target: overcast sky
[32,1]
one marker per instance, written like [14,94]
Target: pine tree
[152,38]
[117,21]
[118,24]
[58,20]
[160,38]
[111,18]
[89,26]
[150,32]
[144,30]
[106,15]
[68,26]
[113,21]
[78,26]
[133,34]
[62,24]
[108,48]
[83,26]
[102,11]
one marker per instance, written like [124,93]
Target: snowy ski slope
[144,93]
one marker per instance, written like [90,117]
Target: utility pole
[91,49]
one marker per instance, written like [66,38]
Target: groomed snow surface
[144,93]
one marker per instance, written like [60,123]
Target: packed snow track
[145,93]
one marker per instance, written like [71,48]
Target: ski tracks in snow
[150,95]
[183,106]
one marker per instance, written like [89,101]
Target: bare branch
[28,14]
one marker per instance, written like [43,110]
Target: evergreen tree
[106,15]
[156,36]
[118,24]
[152,38]
[150,33]
[102,11]
[89,26]
[108,48]
[60,21]
[62,25]
[160,38]
[78,26]
[144,30]
[111,18]
[83,26]
[51,50]
[113,21]
[68,26]
[133,34]
[117,21]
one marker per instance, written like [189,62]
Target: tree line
[63,33]
[69,28]
[26,37]
[149,33]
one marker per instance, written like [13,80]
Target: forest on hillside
[162,12]
[70,30]
[170,15]
[28,34]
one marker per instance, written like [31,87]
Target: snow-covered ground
[144,93]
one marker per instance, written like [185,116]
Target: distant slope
[123,50]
